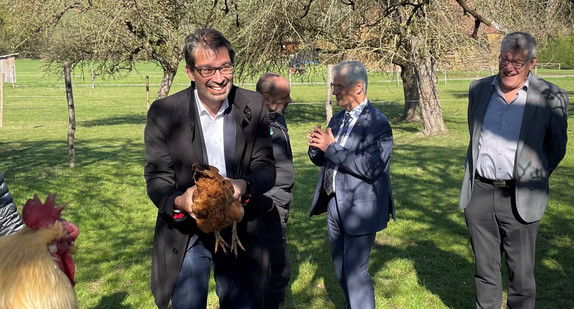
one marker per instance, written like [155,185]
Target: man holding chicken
[216,123]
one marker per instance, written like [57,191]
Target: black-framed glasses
[515,64]
[208,72]
[337,87]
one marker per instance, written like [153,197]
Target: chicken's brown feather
[213,203]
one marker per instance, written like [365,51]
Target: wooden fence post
[328,104]
[147,91]
[13,69]
[93,77]
[71,114]
[1,98]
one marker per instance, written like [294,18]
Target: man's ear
[189,73]
[267,98]
[532,63]
[359,88]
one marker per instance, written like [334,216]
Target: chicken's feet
[235,239]
[220,242]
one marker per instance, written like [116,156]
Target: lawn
[423,260]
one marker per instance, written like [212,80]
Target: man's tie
[330,167]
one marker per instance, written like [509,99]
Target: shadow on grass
[430,231]
[118,120]
[113,301]
[115,236]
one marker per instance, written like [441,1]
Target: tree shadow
[113,301]
[426,184]
[135,119]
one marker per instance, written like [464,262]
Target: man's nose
[217,77]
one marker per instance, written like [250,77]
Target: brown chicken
[36,268]
[214,206]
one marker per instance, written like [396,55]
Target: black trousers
[496,228]
[276,227]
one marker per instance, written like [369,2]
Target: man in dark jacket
[276,95]
[10,220]
[225,126]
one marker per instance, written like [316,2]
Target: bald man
[276,95]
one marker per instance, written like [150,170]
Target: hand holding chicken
[214,205]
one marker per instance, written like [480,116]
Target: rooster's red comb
[37,215]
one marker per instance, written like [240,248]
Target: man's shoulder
[171,105]
[180,97]
[176,97]
[542,84]
[239,93]
[485,81]
[378,114]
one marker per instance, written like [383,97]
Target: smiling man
[518,133]
[217,123]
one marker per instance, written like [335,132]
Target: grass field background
[423,260]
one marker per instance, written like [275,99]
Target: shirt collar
[355,112]
[203,111]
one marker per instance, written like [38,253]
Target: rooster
[36,268]
[214,206]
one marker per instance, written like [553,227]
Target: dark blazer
[362,183]
[541,145]
[10,219]
[174,142]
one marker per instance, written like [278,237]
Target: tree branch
[308,6]
[479,18]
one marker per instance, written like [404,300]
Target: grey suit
[505,218]
[541,146]
[363,199]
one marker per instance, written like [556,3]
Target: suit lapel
[243,117]
[533,102]
[357,130]
[197,142]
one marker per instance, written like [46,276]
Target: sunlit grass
[423,260]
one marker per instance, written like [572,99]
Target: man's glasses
[515,64]
[208,72]
[337,87]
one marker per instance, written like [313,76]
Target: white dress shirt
[212,130]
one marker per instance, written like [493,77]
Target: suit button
[175,251]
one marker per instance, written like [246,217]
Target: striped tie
[330,167]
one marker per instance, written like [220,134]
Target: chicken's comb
[37,215]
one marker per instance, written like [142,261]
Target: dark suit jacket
[174,142]
[362,184]
[541,145]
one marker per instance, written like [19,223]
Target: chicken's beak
[72,249]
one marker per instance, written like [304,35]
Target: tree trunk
[418,74]
[412,109]
[429,100]
[328,102]
[71,114]
[166,82]
[169,71]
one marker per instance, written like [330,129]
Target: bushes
[560,50]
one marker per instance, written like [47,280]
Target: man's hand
[319,139]
[239,188]
[185,201]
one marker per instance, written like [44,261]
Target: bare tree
[420,35]
[112,35]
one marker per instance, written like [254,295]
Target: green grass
[423,260]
